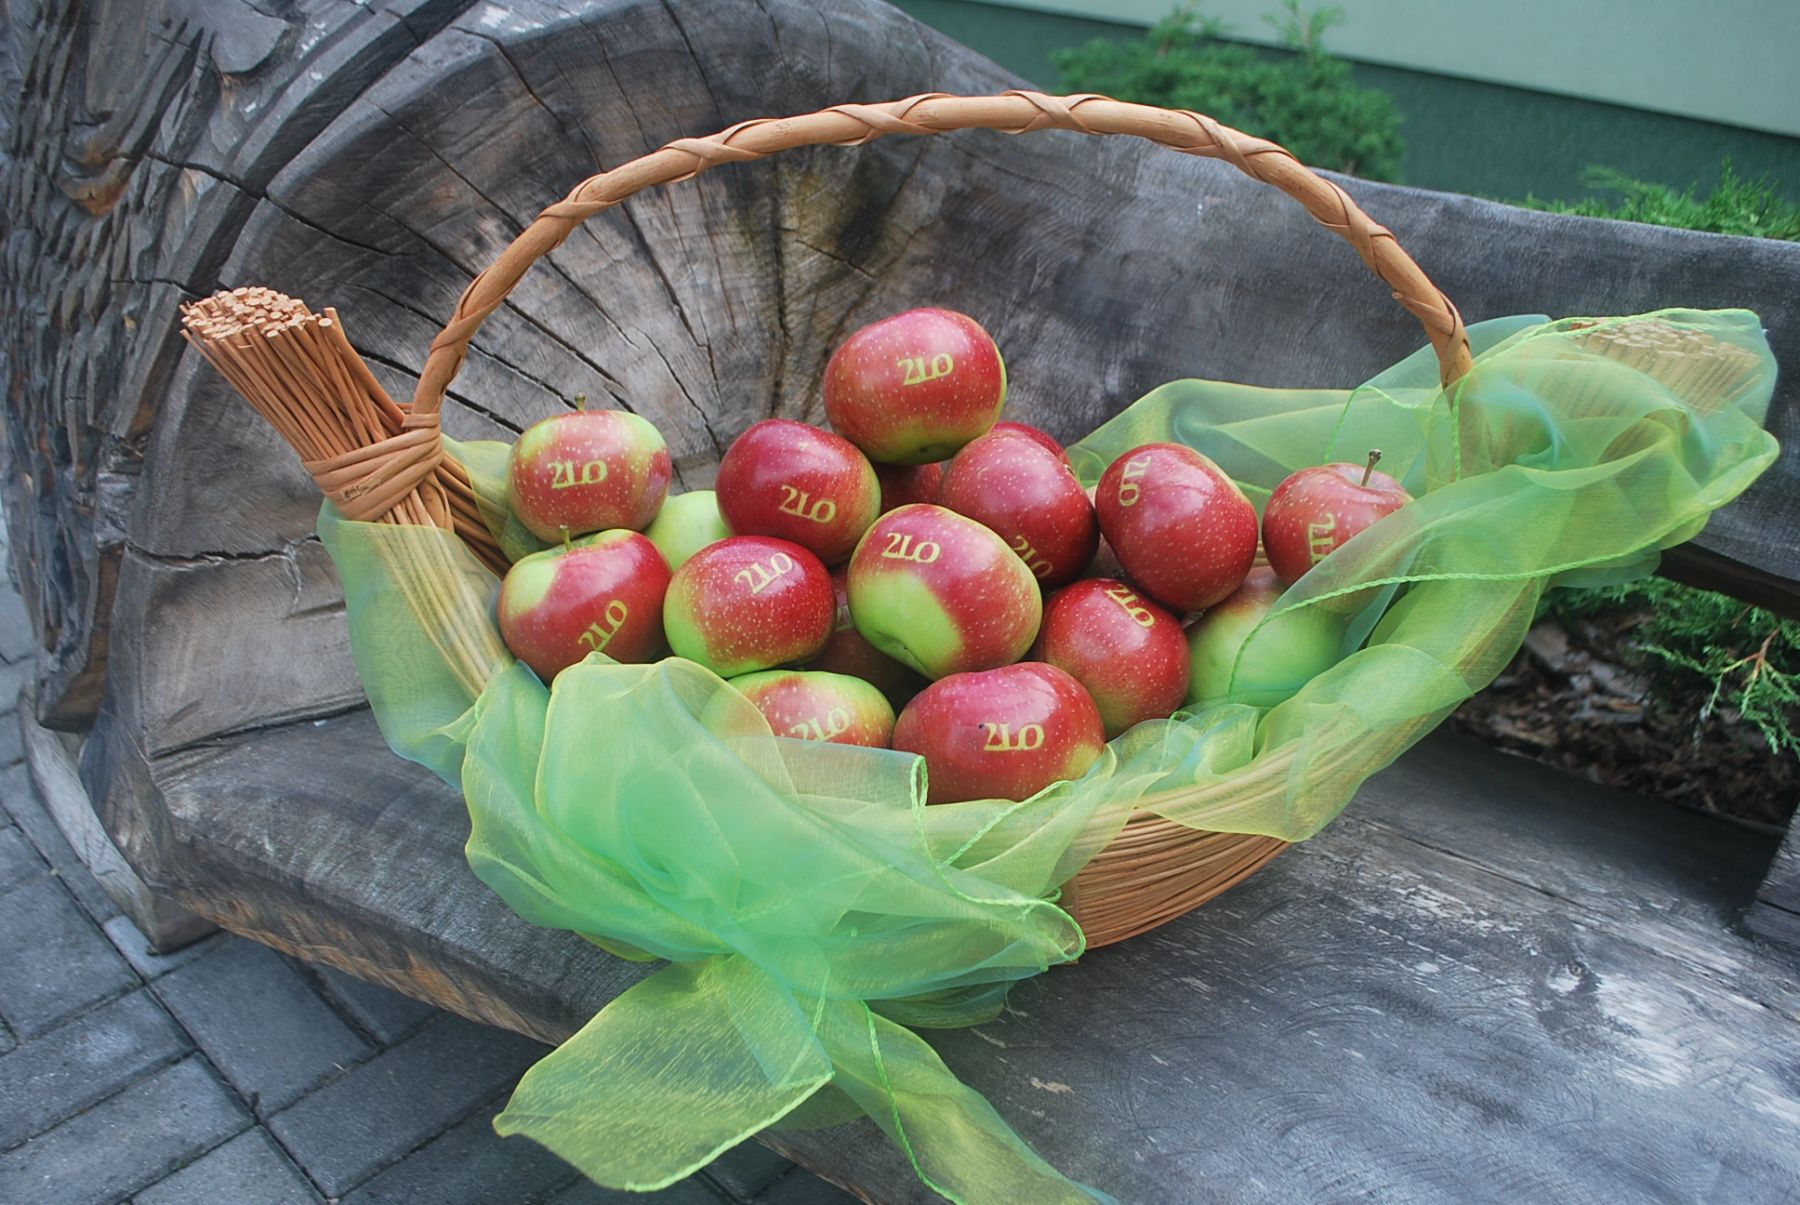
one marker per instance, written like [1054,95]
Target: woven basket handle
[934,113]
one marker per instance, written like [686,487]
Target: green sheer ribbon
[811,908]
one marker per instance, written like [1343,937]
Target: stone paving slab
[383,1015]
[385,1108]
[16,639]
[801,1187]
[83,1062]
[12,742]
[57,961]
[150,965]
[692,1191]
[248,1170]
[748,1170]
[19,798]
[466,1165]
[259,1021]
[131,1075]
[126,1142]
[18,860]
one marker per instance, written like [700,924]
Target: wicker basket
[1154,870]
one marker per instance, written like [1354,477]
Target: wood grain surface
[139,135]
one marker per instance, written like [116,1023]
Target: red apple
[1029,497]
[748,603]
[603,594]
[1128,652]
[915,387]
[1232,659]
[905,484]
[820,706]
[1034,433]
[1181,528]
[796,482]
[849,652]
[588,471]
[1317,510]
[941,593]
[1003,733]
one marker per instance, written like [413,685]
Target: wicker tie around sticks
[367,453]
[374,459]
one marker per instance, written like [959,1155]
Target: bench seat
[1486,980]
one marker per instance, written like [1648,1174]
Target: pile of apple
[829,576]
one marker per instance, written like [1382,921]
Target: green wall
[1461,135]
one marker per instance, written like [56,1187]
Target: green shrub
[1305,100]
[1736,206]
[1702,650]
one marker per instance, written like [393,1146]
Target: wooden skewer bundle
[366,451]
[1702,371]
[375,459]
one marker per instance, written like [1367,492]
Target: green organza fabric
[813,911]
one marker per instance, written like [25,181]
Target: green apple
[686,524]
[1278,659]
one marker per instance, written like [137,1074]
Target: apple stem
[1374,459]
[581,401]
[568,543]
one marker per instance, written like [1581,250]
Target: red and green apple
[1317,510]
[813,706]
[798,482]
[1034,433]
[588,470]
[1129,652]
[905,484]
[602,594]
[1180,527]
[849,652]
[686,524]
[1026,493]
[1270,663]
[748,603]
[1004,733]
[941,593]
[915,387]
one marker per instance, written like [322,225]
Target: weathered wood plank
[1487,980]
[1775,913]
[138,136]
[360,867]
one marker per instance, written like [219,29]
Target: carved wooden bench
[1487,979]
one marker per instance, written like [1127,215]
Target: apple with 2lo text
[749,603]
[941,593]
[588,470]
[600,594]
[1003,733]
[915,387]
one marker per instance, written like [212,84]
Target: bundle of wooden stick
[1699,369]
[375,459]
